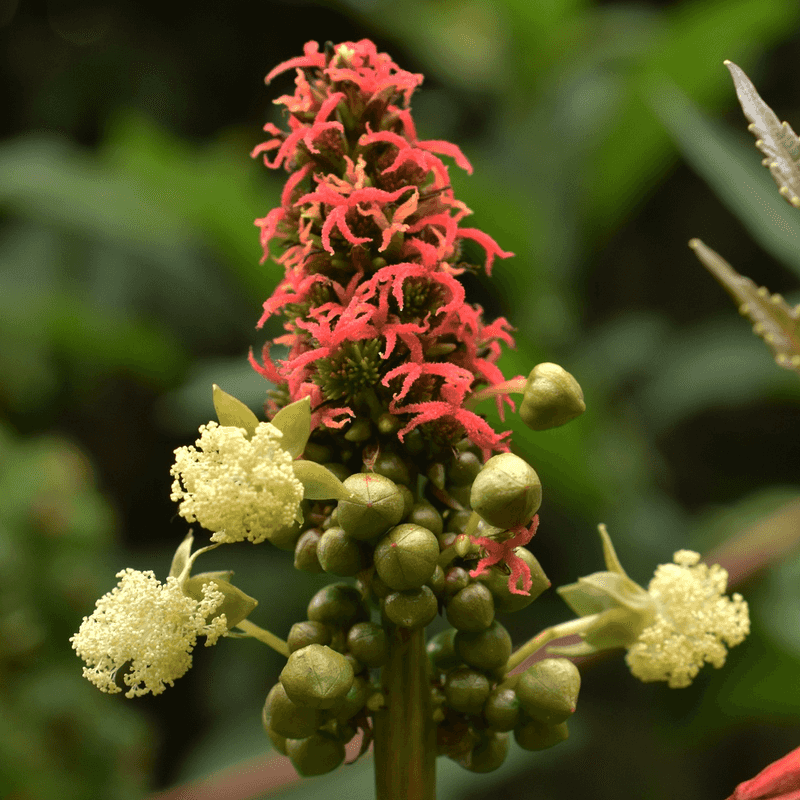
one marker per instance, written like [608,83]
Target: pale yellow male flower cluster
[694,621]
[146,629]
[236,487]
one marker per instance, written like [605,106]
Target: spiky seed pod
[317,677]
[471,609]
[368,643]
[337,604]
[502,709]
[287,718]
[308,632]
[317,754]
[486,650]
[376,507]
[412,608]
[406,557]
[548,691]
[506,492]
[496,580]
[466,690]
[533,735]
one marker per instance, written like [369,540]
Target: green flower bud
[426,515]
[457,521]
[367,642]
[502,709]
[287,718]
[378,587]
[315,755]
[487,650]
[317,677]
[357,666]
[466,690]
[533,735]
[286,538]
[340,554]
[408,499]
[471,609]
[305,552]
[305,633]
[354,700]
[507,491]
[359,430]
[339,470]
[393,467]
[412,608]
[552,398]
[337,604]
[455,579]
[464,469]
[436,581]
[406,557]
[442,651]
[489,754]
[278,741]
[548,691]
[377,504]
[496,580]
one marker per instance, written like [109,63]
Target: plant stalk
[405,734]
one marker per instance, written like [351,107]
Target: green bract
[375,505]
[552,398]
[317,677]
[507,491]
[548,691]
[406,557]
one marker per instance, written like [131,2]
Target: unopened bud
[376,505]
[507,491]
[548,691]
[406,557]
[552,398]
[317,677]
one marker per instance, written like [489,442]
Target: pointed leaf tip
[294,422]
[232,412]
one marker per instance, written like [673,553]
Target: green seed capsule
[466,690]
[287,718]
[412,608]
[471,609]
[377,505]
[552,398]
[317,677]
[442,651]
[507,491]
[305,551]
[340,554]
[548,691]
[406,557]
[306,633]
[502,709]
[337,604]
[486,650]
[368,643]
[426,515]
[533,735]
[496,580]
[315,755]
[489,754]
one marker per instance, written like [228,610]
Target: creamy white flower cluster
[236,487]
[694,622]
[146,629]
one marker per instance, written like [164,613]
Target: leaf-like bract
[233,412]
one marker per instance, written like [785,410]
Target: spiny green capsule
[496,580]
[406,557]
[305,551]
[317,677]
[425,514]
[506,492]
[308,632]
[502,709]
[471,609]
[548,691]
[442,651]
[377,504]
[533,735]
[412,608]
[287,718]
[368,643]
[340,554]
[337,604]
[552,398]
[486,650]
[489,754]
[317,754]
[466,690]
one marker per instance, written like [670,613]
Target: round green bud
[305,551]
[354,700]
[337,604]
[316,755]
[305,633]
[507,491]
[502,709]
[406,557]
[486,650]
[489,754]
[466,690]
[461,494]
[317,677]
[436,581]
[339,470]
[278,741]
[393,467]
[412,608]
[548,691]
[340,554]
[471,609]
[285,538]
[552,398]
[457,521]
[287,718]
[426,515]
[408,499]
[533,735]
[464,469]
[496,580]
[455,579]
[368,643]
[359,430]
[442,651]
[378,587]
[377,505]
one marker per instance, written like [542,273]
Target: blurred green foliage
[130,281]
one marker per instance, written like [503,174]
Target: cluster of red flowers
[371,238]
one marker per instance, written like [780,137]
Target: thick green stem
[405,734]
[548,635]
[269,639]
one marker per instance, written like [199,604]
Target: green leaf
[318,482]
[234,413]
[776,140]
[777,323]
[181,558]
[294,422]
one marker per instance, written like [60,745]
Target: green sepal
[294,422]
[236,605]
[319,483]
[184,558]
[233,413]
